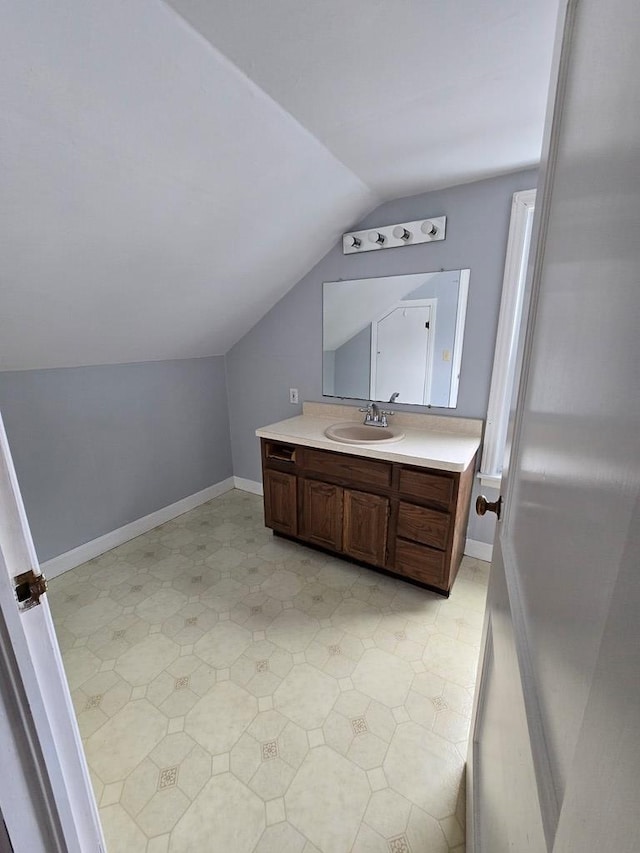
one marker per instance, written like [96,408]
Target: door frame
[406,303]
[509,329]
[549,807]
[50,805]
[28,819]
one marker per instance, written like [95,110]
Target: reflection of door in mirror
[374,343]
[402,352]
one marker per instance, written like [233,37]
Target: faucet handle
[385,412]
[367,409]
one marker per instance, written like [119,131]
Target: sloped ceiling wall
[412,95]
[170,171]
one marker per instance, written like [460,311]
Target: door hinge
[426,325]
[28,588]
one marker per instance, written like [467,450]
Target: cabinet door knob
[483,505]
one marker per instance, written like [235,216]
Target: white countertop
[430,441]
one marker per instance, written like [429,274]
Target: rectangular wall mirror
[395,338]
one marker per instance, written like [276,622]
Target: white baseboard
[248,485]
[70,559]
[479,550]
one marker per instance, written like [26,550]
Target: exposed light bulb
[387,236]
[401,233]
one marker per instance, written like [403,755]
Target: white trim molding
[509,324]
[478,550]
[70,559]
[77,556]
[490,481]
[248,486]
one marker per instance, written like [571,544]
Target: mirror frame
[458,342]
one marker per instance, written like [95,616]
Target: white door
[46,798]
[555,755]
[402,352]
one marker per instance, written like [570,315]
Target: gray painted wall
[353,366]
[285,348]
[98,447]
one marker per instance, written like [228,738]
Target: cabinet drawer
[427,526]
[349,470]
[427,486]
[421,563]
[276,451]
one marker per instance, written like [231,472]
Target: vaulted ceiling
[170,169]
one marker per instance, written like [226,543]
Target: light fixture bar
[393,236]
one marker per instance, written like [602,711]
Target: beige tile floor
[237,692]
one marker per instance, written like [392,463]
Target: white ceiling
[164,183]
[410,94]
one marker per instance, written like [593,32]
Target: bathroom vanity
[399,504]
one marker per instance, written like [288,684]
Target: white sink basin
[354,433]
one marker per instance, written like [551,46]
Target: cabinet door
[321,513]
[365,525]
[280,502]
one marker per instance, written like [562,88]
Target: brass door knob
[483,505]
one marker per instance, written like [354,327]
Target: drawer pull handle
[483,505]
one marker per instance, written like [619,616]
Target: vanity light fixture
[401,233]
[393,236]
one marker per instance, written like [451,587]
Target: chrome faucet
[375,416]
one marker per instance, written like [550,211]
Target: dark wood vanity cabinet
[403,519]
